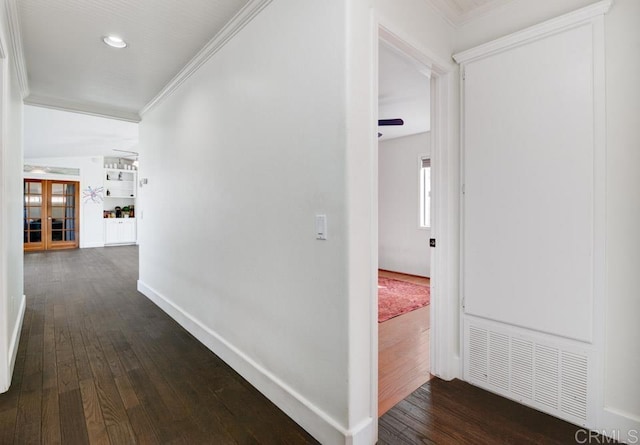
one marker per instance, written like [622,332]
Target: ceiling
[403,92]
[69,66]
[459,12]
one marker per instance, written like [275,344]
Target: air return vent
[528,368]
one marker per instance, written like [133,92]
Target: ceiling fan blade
[385,122]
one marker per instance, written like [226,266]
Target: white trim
[5,376]
[422,57]
[456,17]
[599,417]
[91,245]
[445,306]
[239,21]
[15,337]
[15,37]
[81,108]
[599,213]
[534,32]
[444,10]
[444,352]
[624,426]
[315,421]
[3,53]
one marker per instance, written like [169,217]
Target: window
[425,193]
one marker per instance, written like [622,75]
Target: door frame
[46,217]
[445,305]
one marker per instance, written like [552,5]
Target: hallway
[98,362]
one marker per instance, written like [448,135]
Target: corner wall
[620,412]
[622,338]
[239,160]
[12,301]
[403,245]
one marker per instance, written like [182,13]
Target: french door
[51,217]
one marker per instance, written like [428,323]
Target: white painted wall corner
[302,411]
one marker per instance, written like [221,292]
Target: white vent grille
[574,385]
[499,360]
[522,368]
[547,375]
[478,354]
[550,377]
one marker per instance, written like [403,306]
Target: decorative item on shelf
[118,210]
[132,213]
[107,176]
[120,176]
[108,192]
[126,210]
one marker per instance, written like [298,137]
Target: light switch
[321,227]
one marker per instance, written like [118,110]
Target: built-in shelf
[120,190]
[120,183]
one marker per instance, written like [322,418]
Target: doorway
[404,225]
[50,215]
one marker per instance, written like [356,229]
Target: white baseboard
[93,244]
[15,336]
[315,421]
[621,426]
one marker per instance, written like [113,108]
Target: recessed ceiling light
[115,42]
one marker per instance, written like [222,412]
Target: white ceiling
[56,133]
[68,64]
[458,12]
[69,67]
[403,92]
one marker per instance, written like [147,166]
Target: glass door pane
[33,214]
[62,214]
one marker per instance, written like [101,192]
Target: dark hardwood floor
[457,413]
[99,363]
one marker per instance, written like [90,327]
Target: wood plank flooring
[403,351]
[457,413]
[99,363]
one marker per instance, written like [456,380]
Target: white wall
[622,359]
[91,170]
[12,302]
[403,246]
[621,410]
[239,160]
[57,133]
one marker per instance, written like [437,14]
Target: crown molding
[239,21]
[82,108]
[15,44]
[456,17]
[571,19]
[445,11]
[480,11]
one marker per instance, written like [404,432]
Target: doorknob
[49,218]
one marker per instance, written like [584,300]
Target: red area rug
[397,297]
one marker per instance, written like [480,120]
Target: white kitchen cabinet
[120,231]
